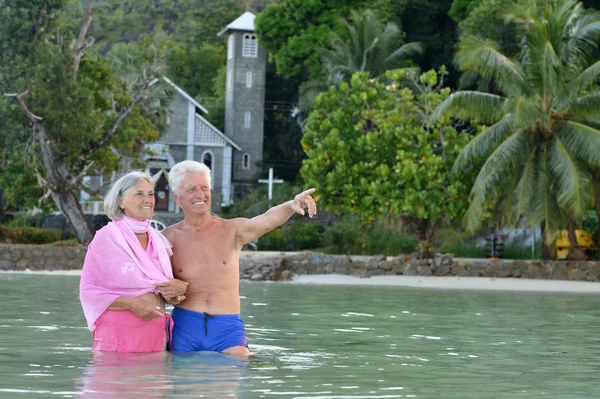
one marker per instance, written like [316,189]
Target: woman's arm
[139,306]
[172,288]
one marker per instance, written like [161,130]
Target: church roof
[244,23]
[185,95]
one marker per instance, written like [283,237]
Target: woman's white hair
[119,189]
[178,172]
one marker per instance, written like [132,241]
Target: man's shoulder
[172,230]
[228,223]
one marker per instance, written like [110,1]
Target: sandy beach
[446,283]
[454,283]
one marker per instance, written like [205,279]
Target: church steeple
[244,98]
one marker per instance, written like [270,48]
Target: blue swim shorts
[194,331]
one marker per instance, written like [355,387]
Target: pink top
[116,265]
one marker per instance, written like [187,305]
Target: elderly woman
[127,275]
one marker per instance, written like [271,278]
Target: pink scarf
[116,265]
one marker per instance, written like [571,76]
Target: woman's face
[138,201]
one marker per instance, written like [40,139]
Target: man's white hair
[178,172]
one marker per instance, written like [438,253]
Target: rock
[360,272]
[410,269]
[386,265]
[576,274]
[442,271]
[330,268]
[286,275]
[257,277]
[424,270]
[6,265]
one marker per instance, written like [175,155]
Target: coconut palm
[366,47]
[543,139]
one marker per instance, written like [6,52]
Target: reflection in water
[161,375]
[126,375]
[206,374]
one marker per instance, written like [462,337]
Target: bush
[273,241]
[386,237]
[305,235]
[32,235]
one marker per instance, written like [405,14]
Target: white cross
[270,181]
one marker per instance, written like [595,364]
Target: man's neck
[196,221]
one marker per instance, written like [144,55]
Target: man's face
[194,193]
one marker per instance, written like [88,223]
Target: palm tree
[366,48]
[543,139]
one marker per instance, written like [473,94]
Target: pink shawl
[116,265]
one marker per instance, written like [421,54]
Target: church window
[230,43]
[229,79]
[248,79]
[249,46]
[207,158]
[247,120]
[246,161]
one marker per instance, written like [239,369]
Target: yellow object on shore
[585,239]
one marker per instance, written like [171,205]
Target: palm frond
[484,143]
[483,57]
[543,206]
[484,107]
[507,156]
[406,50]
[583,81]
[570,178]
[581,140]
[523,191]
[586,106]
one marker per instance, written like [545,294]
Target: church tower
[244,99]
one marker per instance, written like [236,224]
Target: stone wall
[41,257]
[282,266]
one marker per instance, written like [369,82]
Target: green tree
[292,30]
[543,139]
[79,115]
[371,151]
[461,9]
[364,46]
[427,22]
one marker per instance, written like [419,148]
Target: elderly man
[206,254]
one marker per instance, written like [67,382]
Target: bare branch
[30,115]
[76,181]
[43,198]
[80,47]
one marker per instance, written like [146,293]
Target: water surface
[317,342]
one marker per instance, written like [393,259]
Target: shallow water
[318,342]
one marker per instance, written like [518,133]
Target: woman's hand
[172,288]
[144,309]
[175,300]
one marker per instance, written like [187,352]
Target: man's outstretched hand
[304,200]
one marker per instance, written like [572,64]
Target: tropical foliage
[371,151]
[364,46]
[542,142]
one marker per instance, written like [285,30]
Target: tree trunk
[547,252]
[58,181]
[69,206]
[424,235]
[575,252]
